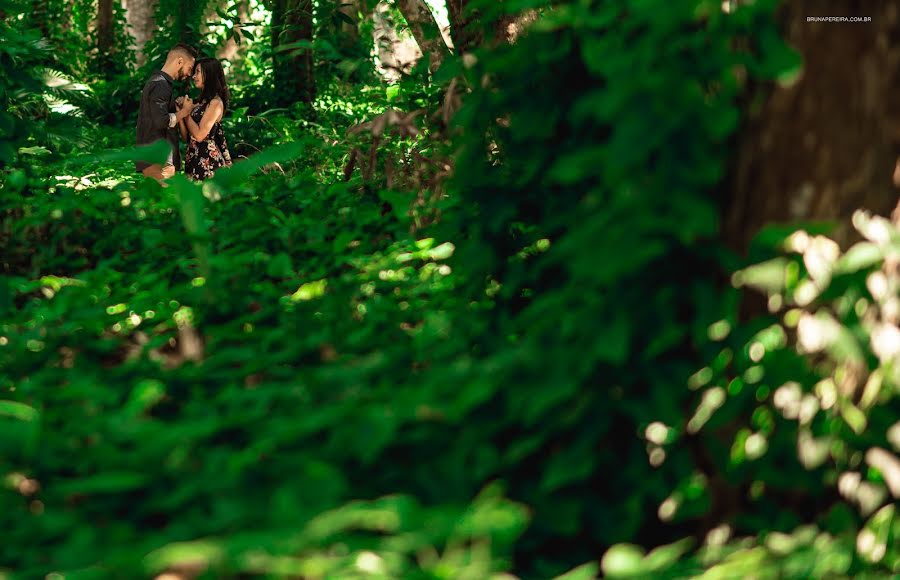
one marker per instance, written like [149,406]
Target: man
[157,117]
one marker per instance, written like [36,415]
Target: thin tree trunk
[40,16]
[424,29]
[292,22]
[351,8]
[104,35]
[825,145]
[139,14]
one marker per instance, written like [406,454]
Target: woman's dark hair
[213,81]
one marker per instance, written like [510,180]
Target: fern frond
[63,94]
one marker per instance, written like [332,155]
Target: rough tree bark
[396,56]
[463,26]
[468,31]
[292,22]
[139,14]
[826,145]
[424,29]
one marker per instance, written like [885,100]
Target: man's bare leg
[159,172]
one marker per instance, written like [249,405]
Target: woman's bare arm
[213,111]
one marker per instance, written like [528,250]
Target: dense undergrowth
[335,361]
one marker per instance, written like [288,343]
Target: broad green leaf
[192,553]
[229,178]
[768,276]
[110,482]
[18,411]
[156,152]
[584,572]
[663,557]
[861,256]
[192,203]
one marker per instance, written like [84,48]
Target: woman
[207,149]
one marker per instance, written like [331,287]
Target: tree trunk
[463,26]
[424,29]
[513,27]
[104,36]
[351,9]
[467,28]
[395,56]
[40,17]
[827,144]
[139,14]
[350,44]
[292,22]
[231,48]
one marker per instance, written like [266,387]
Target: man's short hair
[182,50]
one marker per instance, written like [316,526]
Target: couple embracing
[164,117]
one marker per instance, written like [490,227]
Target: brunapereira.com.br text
[839,19]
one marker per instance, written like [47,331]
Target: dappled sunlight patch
[865,494]
[426,252]
[630,561]
[719,330]
[212,192]
[657,433]
[309,291]
[893,435]
[712,399]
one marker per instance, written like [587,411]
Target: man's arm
[159,94]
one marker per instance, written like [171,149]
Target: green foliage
[178,22]
[21,52]
[341,48]
[585,203]
[298,369]
[806,399]
[163,311]
[239,33]
[799,413]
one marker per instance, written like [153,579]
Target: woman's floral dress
[203,158]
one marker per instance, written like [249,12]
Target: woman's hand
[187,105]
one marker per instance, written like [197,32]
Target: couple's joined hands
[183,107]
